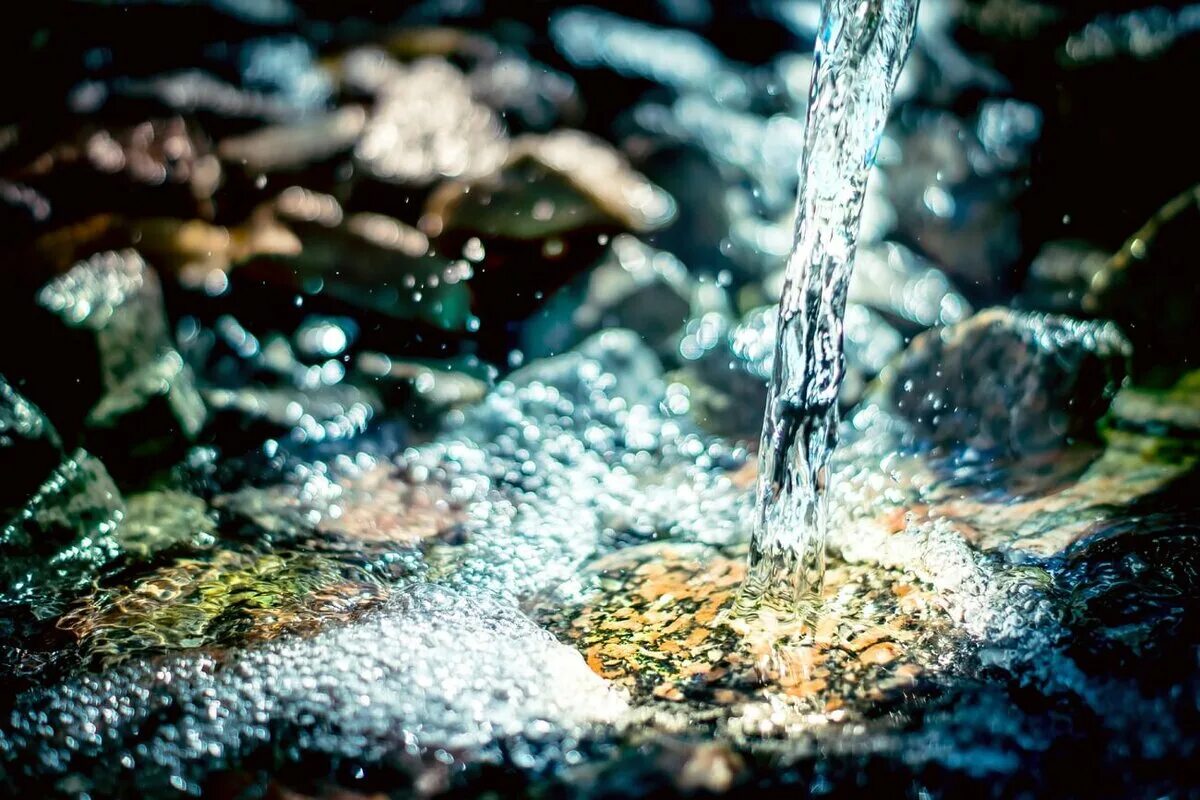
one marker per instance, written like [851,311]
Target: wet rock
[29,448]
[725,387]
[763,149]
[569,457]
[401,687]
[312,150]
[424,391]
[1171,415]
[221,107]
[580,181]
[1147,286]
[656,619]
[382,505]
[221,599]
[678,59]
[284,67]
[954,197]
[318,414]
[1060,277]
[542,217]
[149,418]
[635,286]
[55,542]
[159,167]
[1142,34]
[624,366]
[527,93]
[363,265]
[425,126]
[163,520]
[1008,381]
[106,315]
[893,280]
[22,209]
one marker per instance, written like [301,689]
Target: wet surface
[379,400]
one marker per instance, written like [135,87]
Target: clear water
[860,50]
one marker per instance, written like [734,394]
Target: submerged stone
[657,619]
[548,186]
[163,520]
[405,688]
[1008,381]
[221,599]
[531,94]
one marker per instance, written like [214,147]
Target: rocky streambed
[379,396]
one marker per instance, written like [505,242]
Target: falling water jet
[860,50]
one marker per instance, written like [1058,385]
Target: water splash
[859,53]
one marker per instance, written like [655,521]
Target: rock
[150,418]
[1143,34]
[678,59]
[424,669]
[1170,415]
[623,365]
[106,316]
[1060,277]
[159,167]
[221,599]
[364,265]
[313,150]
[422,391]
[284,67]
[541,218]
[636,287]
[310,415]
[760,149]
[657,620]
[580,182]
[382,506]
[1008,382]
[29,448]
[1147,287]
[22,210]
[726,385]
[222,108]
[425,126]
[895,281]
[165,520]
[56,541]
[955,199]
[525,92]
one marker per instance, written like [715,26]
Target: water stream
[860,50]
